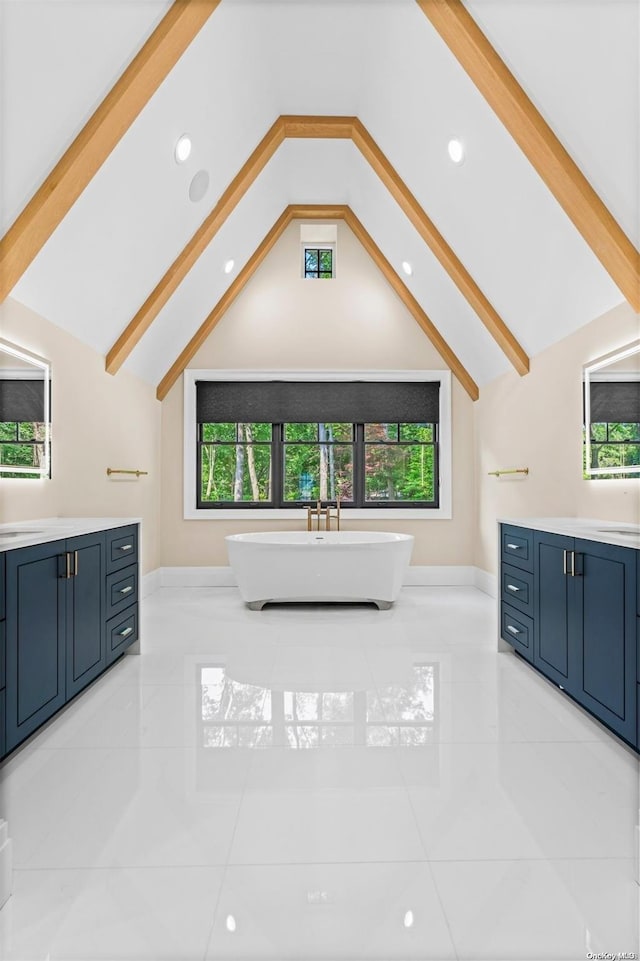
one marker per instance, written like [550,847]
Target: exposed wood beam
[28,234]
[317,127]
[194,248]
[316,212]
[412,305]
[223,304]
[538,142]
[441,249]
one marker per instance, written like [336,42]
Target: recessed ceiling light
[408,919]
[406,266]
[456,151]
[182,148]
[230,923]
[229,265]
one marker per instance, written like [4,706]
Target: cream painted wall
[280,321]
[98,421]
[536,422]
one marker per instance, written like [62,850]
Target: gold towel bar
[515,470]
[116,470]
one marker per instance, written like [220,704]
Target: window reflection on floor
[234,714]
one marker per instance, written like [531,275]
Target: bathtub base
[381,605]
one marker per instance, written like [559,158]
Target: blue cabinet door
[606,623]
[86,631]
[554,593]
[35,638]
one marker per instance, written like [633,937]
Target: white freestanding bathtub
[319,566]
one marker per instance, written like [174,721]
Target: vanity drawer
[121,632]
[122,589]
[517,629]
[517,588]
[122,547]
[2,656]
[516,545]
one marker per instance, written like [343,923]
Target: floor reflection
[233,714]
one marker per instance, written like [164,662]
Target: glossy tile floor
[320,783]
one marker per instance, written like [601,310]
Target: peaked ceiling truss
[316,128]
[316,212]
[538,142]
[102,132]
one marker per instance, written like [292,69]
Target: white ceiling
[378,59]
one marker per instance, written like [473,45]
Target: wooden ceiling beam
[223,304]
[81,161]
[536,139]
[318,127]
[188,256]
[441,249]
[316,212]
[412,305]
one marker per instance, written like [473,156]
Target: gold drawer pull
[512,587]
[514,547]
[126,547]
[126,590]
[512,629]
[126,632]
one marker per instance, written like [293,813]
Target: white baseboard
[6,864]
[488,583]
[150,582]
[416,576]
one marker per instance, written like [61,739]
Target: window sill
[348,514]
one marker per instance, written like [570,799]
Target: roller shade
[615,402]
[22,401]
[313,402]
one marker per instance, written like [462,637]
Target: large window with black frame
[297,457]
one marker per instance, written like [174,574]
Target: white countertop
[26,533]
[619,533]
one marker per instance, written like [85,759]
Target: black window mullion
[358,465]
[277,465]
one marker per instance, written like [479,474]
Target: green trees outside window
[22,445]
[287,465]
[318,263]
[613,445]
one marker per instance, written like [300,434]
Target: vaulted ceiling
[382,62]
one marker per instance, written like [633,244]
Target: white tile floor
[320,783]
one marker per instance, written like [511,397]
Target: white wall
[354,322]
[536,422]
[98,421]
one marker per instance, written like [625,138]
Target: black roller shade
[615,402]
[22,401]
[313,402]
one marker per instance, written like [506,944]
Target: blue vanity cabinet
[35,638]
[2,659]
[67,618]
[579,599]
[555,640]
[86,605]
[605,615]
